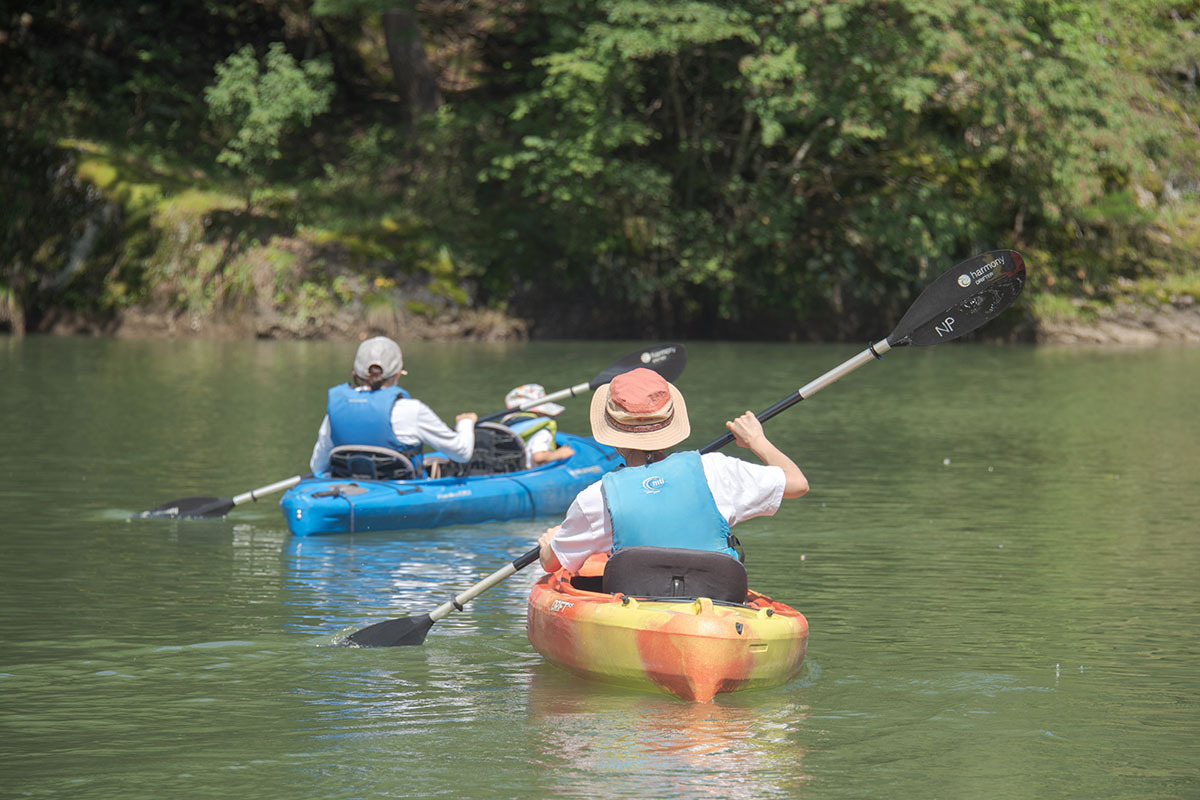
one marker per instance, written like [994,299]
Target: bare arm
[557,454]
[748,432]
[548,558]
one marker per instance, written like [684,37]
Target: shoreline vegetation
[698,170]
[1128,323]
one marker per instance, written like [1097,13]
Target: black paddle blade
[400,632]
[962,299]
[667,360]
[191,508]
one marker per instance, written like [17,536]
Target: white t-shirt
[742,491]
[414,423]
[541,441]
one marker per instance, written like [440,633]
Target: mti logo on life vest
[653,484]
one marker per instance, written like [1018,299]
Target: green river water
[999,561]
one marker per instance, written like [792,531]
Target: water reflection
[336,584]
[590,736]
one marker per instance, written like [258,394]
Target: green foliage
[738,167]
[253,105]
[759,168]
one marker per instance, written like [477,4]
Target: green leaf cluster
[254,104]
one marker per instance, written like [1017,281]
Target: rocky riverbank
[1128,324]
[460,324]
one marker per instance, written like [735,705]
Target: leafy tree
[735,166]
[255,105]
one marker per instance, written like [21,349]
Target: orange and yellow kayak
[693,649]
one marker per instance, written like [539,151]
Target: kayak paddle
[962,299]
[196,507]
[667,360]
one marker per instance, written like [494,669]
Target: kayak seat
[497,450]
[675,572]
[370,463]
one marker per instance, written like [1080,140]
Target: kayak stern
[693,649]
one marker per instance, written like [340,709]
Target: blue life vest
[365,417]
[667,504]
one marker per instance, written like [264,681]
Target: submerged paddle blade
[962,299]
[667,360]
[191,508]
[400,632]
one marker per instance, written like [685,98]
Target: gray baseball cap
[382,352]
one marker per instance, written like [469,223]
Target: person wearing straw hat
[683,500]
[535,425]
[372,410]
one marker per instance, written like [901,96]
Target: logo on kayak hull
[575,473]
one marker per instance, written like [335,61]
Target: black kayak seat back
[498,449]
[370,463]
[675,572]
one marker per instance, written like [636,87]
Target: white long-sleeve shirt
[414,423]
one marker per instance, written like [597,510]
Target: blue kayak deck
[320,506]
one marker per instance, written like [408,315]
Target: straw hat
[381,352]
[532,391]
[640,410]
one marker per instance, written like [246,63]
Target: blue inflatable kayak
[318,506]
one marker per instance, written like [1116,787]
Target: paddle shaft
[499,576]
[872,353]
[667,360]
[270,488]
[417,630]
[528,404]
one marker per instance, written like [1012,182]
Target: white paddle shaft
[559,395]
[866,356]
[270,488]
[460,600]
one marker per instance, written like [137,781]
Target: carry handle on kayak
[959,301]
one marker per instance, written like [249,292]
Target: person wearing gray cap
[372,411]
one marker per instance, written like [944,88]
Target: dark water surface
[999,561]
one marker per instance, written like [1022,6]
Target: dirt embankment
[1128,324]
[1124,325]
[137,323]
